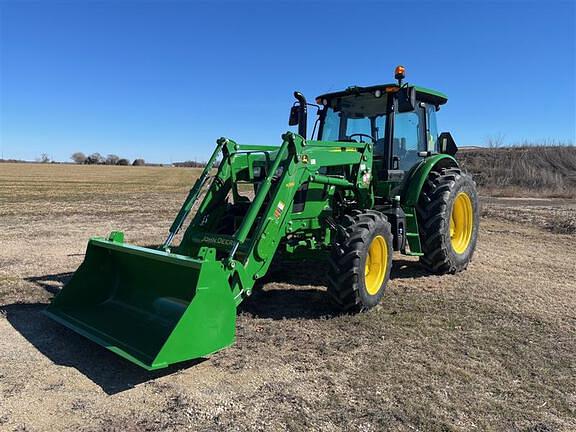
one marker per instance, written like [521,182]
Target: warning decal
[279,209]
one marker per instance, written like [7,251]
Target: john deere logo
[217,240]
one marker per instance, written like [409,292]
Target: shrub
[78,157]
[94,158]
[112,159]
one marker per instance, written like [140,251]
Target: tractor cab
[398,119]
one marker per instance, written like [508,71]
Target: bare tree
[495,141]
[94,158]
[138,162]
[123,162]
[78,157]
[112,159]
[44,158]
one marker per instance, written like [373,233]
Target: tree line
[98,159]
[190,164]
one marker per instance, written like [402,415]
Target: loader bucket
[151,307]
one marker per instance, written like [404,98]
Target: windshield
[359,118]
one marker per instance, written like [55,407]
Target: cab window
[358,126]
[432,132]
[408,138]
[346,117]
[331,129]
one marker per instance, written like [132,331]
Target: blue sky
[163,80]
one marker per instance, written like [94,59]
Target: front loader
[374,177]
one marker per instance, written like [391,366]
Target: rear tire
[360,261]
[448,219]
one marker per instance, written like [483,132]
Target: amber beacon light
[399,74]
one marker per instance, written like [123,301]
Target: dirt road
[491,348]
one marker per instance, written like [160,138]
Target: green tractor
[377,178]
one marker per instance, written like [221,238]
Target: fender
[419,173]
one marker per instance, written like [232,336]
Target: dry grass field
[492,348]
[523,170]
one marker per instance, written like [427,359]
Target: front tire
[448,219]
[360,262]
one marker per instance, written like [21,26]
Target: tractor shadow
[407,269]
[297,290]
[285,303]
[52,283]
[291,290]
[66,348]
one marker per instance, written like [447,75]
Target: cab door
[409,138]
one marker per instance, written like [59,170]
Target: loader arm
[248,253]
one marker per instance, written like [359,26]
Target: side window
[331,125]
[432,132]
[408,138]
[379,145]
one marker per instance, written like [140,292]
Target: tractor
[373,178]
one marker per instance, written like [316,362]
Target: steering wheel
[361,135]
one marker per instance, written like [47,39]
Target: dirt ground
[492,348]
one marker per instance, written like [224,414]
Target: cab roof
[422,94]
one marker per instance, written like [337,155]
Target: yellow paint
[376,265]
[344,149]
[461,223]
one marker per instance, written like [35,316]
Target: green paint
[418,175]
[425,93]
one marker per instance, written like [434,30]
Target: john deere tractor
[373,177]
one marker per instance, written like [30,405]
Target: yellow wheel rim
[376,265]
[461,223]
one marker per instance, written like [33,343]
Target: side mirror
[446,144]
[294,115]
[406,99]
